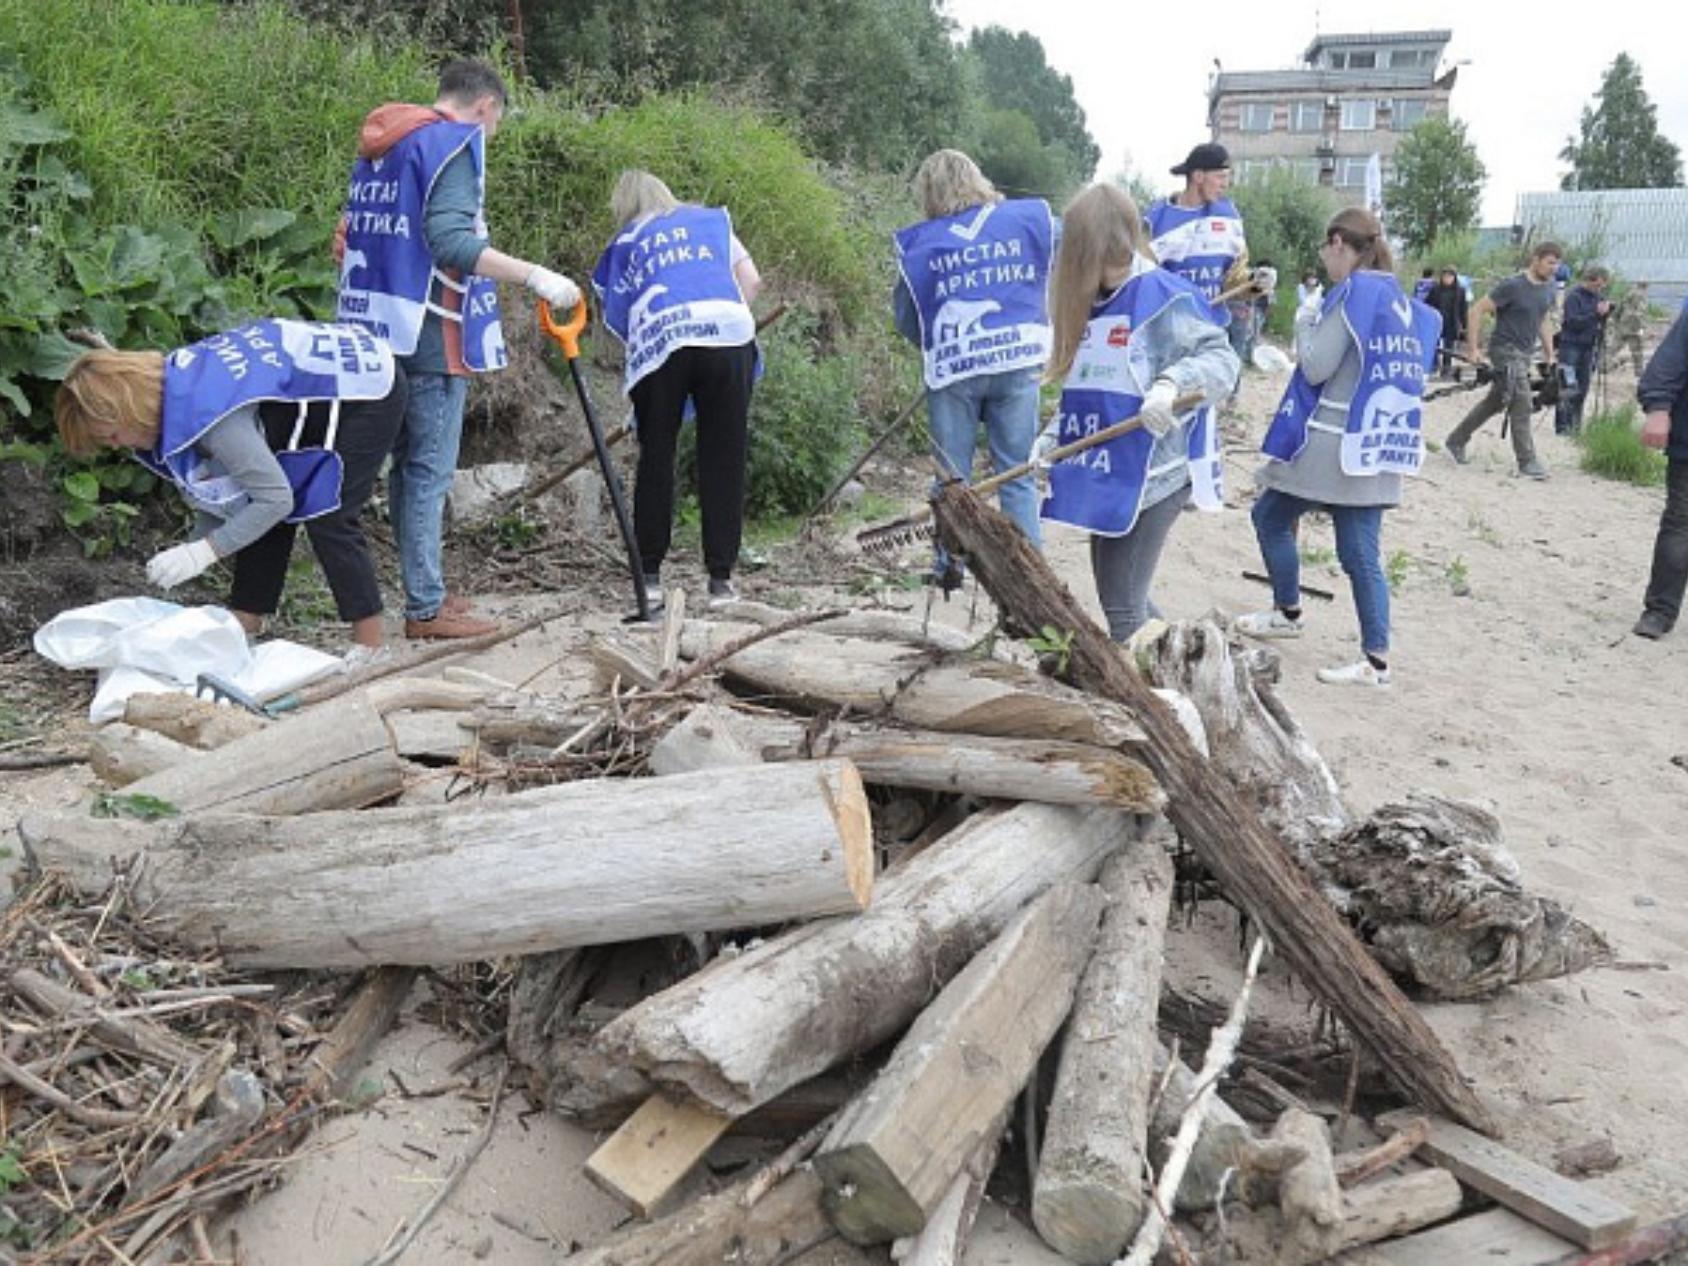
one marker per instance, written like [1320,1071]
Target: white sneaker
[1363,673]
[1268,624]
[361,656]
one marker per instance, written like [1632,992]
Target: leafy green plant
[1483,530]
[517,530]
[101,522]
[1317,555]
[143,808]
[1055,643]
[1612,449]
[1396,569]
[1459,577]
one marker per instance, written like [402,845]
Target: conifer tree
[1621,147]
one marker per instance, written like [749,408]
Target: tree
[1013,74]
[1438,183]
[1621,147]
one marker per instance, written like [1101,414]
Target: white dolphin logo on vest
[639,309]
[961,317]
[972,231]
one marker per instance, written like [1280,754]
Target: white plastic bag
[145,644]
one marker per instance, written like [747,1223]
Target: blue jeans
[1007,405]
[424,460]
[1358,548]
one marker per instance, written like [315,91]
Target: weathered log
[1047,771]
[196,722]
[779,1227]
[747,1028]
[897,1148]
[872,626]
[121,753]
[710,737]
[335,757]
[1225,831]
[943,1240]
[1378,1211]
[1089,1198]
[579,864]
[374,1009]
[1308,1192]
[1429,882]
[1222,1145]
[134,1035]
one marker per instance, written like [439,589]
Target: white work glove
[1311,308]
[1265,279]
[556,289]
[1156,413]
[180,563]
[1046,443]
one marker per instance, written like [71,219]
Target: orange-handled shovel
[567,337]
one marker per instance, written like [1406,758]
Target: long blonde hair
[948,181]
[638,194]
[106,392]
[1101,232]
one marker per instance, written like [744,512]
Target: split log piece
[374,1009]
[1579,1213]
[584,863]
[1390,1207]
[1353,1168]
[749,1027]
[653,1151]
[897,1148]
[197,722]
[120,753]
[1088,1197]
[1252,865]
[943,1240]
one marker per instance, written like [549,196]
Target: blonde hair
[105,393]
[948,181]
[638,194]
[1101,232]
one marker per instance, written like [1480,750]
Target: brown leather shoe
[456,604]
[447,624]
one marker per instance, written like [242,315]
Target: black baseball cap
[1208,157]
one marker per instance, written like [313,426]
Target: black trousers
[718,380]
[367,431]
[1567,414]
[1669,578]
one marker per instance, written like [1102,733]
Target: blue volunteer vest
[979,279]
[668,283]
[387,276]
[1101,489]
[1200,244]
[298,361]
[1397,339]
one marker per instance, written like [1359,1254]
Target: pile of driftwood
[870,879]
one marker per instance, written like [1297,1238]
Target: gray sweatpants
[1124,566]
[1510,391]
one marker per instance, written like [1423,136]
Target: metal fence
[1641,234]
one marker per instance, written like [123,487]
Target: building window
[1409,58]
[1306,116]
[1362,61]
[1409,112]
[1338,61]
[1257,116]
[1359,116]
[1306,170]
[1351,173]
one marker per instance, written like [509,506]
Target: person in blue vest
[261,428]
[417,269]
[970,295]
[1130,338]
[1348,427]
[675,285]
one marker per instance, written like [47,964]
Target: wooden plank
[1498,1237]
[655,1148]
[1566,1208]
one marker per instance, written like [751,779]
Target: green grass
[1612,449]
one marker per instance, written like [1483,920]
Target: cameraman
[1580,341]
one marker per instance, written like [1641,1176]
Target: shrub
[1612,449]
[1284,219]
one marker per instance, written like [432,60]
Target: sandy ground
[1528,693]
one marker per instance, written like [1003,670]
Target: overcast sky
[1140,72]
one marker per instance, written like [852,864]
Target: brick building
[1355,95]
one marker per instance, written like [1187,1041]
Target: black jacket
[1581,327]
[1450,302]
[1664,384]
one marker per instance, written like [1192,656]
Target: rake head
[899,534]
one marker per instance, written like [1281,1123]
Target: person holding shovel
[1130,338]
[260,428]
[1347,429]
[675,285]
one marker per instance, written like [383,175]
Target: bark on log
[747,1028]
[1429,881]
[897,1148]
[120,754]
[336,757]
[781,1226]
[196,722]
[1045,771]
[1089,1194]
[1253,865]
[916,688]
[580,864]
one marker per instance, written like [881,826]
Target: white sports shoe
[361,656]
[1363,673]
[1268,624]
